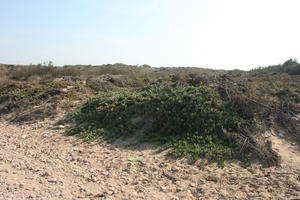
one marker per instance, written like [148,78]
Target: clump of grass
[187,120]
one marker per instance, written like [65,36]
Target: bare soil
[38,162]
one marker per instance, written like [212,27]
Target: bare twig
[279,173]
[245,141]
[32,110]
[252,100]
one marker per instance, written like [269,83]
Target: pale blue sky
[202,33]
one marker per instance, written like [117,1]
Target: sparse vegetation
[193,112]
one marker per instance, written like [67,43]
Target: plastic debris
[134,159]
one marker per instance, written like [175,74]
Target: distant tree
[50,64]
[145,66]
[290,62]
[46,64]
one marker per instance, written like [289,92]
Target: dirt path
[40,163]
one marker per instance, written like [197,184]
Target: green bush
[188,120]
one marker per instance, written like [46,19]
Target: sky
[219,34]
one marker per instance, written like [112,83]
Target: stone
[45,174]
[212,178]
[163,189]
[45,135]
[60,126]
[93,179]
[105,173]
[52,180]
[24,137]
[192,185]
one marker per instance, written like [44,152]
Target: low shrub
[25,102]
[187,120]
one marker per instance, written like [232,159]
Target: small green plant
[196,146]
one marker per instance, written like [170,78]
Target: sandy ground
[37,162]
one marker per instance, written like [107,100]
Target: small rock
[192,171]
[45,174]
[212,178]
[105,173]
[174,169]
[244,188]
[24,137]
[163,189]
[113,189]
[85,162]
[70,87]
[4,170]
[192,185]
[200,190]
[92,179]
[52,180]
[141,190]
[64,90]
[61,127]
[99,196]
[155,173]
[31,196]
[223,193]
[45,135]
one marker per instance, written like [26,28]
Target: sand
[39,162]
